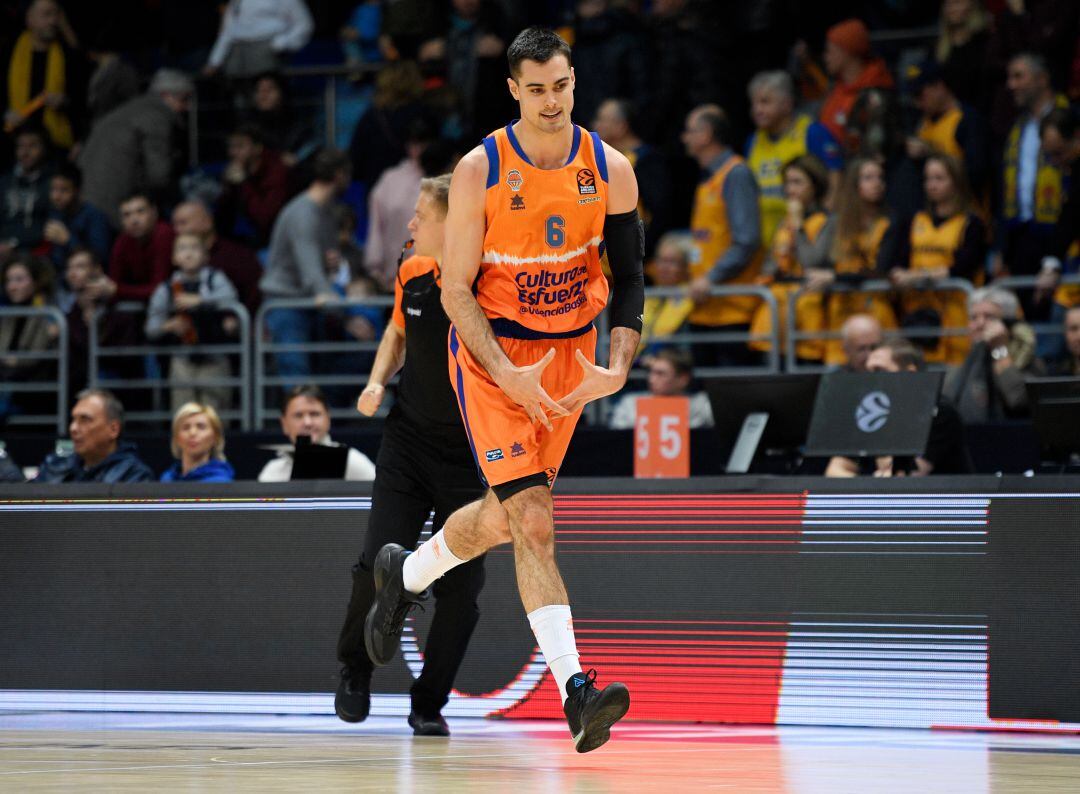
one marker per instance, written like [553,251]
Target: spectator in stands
[1068,364]
[946,240]
[198,445]
[142,254]
[10,471]
[475,64]
[113,80]
[1032,188]
[615,122]
[347,275]
[670,372]
[72,223]
[283,129]
[780,137]
[864,248]
[41,85]
[236,261]
[183,310]
[860,336]
[390,208]
[90,291]
[665,316]
[378,141]
[989,385]
[1060,138]
[608,46]
[946,449]
[131,148]
[1047,27]
[28,283]
[24,193]
[296,268]
[97,422]
[947,126]
[854,69]
[961,51]
[727,230]
[255,35]
[305,413]
[798,259]
[256,186]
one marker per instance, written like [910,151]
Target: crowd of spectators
[790,148]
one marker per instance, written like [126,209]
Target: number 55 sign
[662,437]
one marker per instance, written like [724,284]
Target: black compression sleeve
[624,237]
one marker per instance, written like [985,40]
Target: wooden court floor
[49,751]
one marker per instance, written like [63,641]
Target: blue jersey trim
[492,149]
[514,142]
[454,346]
[598,153]
[574,146]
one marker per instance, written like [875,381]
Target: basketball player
[424,464]
[530,211]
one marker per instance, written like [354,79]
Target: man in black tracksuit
[424,464]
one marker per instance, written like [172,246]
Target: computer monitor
[778,407]
[867,414]
[1055,410]
[318,461]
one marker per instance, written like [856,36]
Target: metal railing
[59,355]
[158,386]
[262,380]
[794,335]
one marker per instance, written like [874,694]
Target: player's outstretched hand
[370,399]
[598,382]
[522,385]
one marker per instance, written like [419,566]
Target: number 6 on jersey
[554,233]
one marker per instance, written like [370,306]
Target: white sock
[554,630]
[428,563]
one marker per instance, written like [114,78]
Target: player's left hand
[598,382]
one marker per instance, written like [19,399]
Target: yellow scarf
[56,122]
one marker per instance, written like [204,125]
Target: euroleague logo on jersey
[513,180]
[586,182]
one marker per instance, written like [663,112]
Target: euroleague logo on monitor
[586,182]
[873,412]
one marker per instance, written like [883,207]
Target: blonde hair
[438,187]
[977,21]
[188,410]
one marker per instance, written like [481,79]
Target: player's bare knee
[530,514]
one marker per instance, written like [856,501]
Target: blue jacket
[88,227]
[121,466]
[212,471]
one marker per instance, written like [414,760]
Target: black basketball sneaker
[352,702]
[386,618]
[591,712]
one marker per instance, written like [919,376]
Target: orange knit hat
[852,36]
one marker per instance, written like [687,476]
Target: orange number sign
[662,437]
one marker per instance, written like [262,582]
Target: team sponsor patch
[493,455]
[589,200]
[514,180]
[586,182]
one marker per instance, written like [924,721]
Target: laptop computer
[1055,410]
[867,414]
[318,462]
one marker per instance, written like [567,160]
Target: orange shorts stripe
[507,445]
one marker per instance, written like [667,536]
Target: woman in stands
[28,283]
[198,444]
[799,258]
[945,240]
[864,243]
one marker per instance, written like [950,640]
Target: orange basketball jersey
[541,263]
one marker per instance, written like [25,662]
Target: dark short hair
[81,250]
[309,390]
[904,353]
[253,132]
[678,358]
[139,193]
[1061,119]
[33,129]
[535,44]
[328,163]
[114,409]
[719,125]
[70,172]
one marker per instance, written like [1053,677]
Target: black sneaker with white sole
[352,702]
[591,712]
[386,618]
